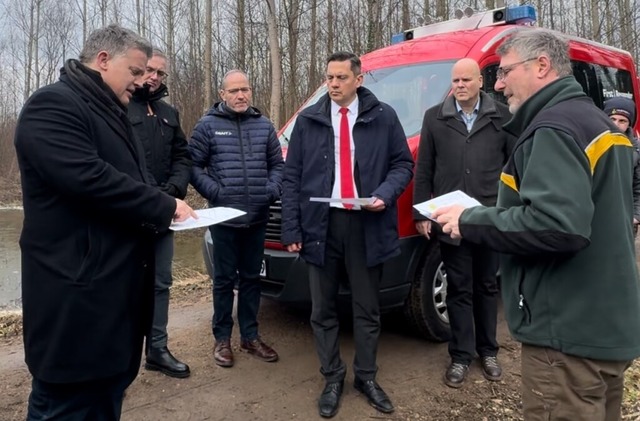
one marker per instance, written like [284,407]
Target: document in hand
[207,217]
[361,201]
[454,198]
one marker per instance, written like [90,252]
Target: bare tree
[276,70]
[208,46]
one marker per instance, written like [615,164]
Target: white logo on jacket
[223,133]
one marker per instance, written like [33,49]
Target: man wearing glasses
[463,147]
[569,276]
[156,124]
[237,162]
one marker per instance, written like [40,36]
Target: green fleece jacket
[569,276]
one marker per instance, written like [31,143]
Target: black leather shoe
[375,395]
[160,359]
[455,374]
[330,399]
[491,368]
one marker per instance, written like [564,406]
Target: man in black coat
[89,221]
[348,145]
[157,125]
[463,147]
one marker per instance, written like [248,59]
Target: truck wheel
[426,308]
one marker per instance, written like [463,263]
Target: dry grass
[10,324]
[631,400]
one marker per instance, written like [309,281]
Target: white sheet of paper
[360,201]
[457,197]
[207,217]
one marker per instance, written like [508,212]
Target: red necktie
[346,177]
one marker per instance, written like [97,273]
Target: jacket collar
[487,112]
[321,111]
[143,94]
[449,110]
[557,91]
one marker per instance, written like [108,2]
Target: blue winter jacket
[383,168]
[237,162]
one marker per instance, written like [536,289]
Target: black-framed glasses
[161,73]
[503,72]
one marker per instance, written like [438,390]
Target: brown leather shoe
[222,353]
[260,350]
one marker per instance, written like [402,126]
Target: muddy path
[410,371]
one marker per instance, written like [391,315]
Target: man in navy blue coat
[237,162]
[348,145]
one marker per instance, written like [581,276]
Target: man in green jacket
[569,277]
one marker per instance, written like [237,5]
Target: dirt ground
[410,372]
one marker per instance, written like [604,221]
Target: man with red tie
[347,145]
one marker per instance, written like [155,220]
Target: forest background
[281,44]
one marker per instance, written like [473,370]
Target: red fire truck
[412,75]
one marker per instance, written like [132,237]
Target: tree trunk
[208,47]
[596,30]
[276,70]
[242,35]
[313,57]
[406,16]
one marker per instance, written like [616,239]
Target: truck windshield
[409,89]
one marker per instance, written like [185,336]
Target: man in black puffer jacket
[157,125]
[237,162]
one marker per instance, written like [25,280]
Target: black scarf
[91,86]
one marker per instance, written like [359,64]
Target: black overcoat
[89,216]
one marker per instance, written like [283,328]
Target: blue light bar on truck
[520,15]
[515,14]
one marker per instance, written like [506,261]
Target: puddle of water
[10,227]
[187,254]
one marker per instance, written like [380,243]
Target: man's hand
[294,248]
[183,211]
[449,218]
[424,228]
[376,206]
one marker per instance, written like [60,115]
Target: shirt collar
[476,109]
[353,107]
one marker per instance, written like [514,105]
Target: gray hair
[115,40]
[534,43]
[229,73]
[160,53]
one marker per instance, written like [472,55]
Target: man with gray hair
[156,124]
[562,222]
[90,218]
[237,162]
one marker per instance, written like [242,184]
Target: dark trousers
[163,280]
[99,400]
[472,300]
[237,258]
[345,253]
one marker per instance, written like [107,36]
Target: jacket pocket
[89,259]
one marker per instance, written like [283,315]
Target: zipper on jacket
[244,166]
[522,304]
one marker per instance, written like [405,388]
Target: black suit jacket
[89,217]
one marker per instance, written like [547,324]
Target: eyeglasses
[503,72]
[161,73]
[235,91]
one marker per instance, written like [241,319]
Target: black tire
[426,309]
